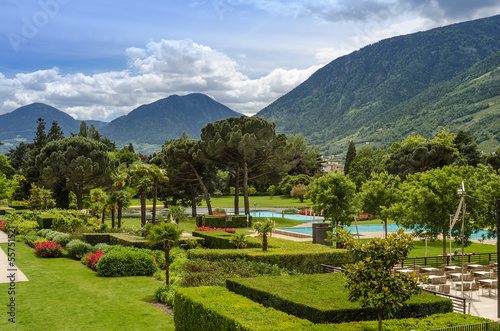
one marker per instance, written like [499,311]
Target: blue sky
[100,60]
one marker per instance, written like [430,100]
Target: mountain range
[422,82]
[147,126]
[448,77]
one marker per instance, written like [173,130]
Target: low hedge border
[45,220]
[215,221]
[126,239]
[4,210]
[220,240]
[216,308]
[330,302]
[307,260]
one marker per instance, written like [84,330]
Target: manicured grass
[62,294]
[436,248]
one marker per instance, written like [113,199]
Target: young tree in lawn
[378,194]
[264,228]
[334,195]
[370,279]
[166,234]
[298,191]
[271,190]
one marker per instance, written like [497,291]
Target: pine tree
[55,132]
[351,154]
[84,130]
[40,139]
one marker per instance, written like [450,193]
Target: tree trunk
[155,195]
[143,207]
[193,202]
[79,198]
[379,320]
[206,195]
[385,227]
[264,242]
[237,191]
[245,188]
[166,248]
[103,217]
[113,219]
[120,207]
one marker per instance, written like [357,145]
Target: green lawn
[62,294]
[279,201]
[436,248]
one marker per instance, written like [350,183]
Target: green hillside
[366,95]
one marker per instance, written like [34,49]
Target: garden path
[9,273]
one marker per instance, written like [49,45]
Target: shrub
[166,294]
[159,256]
[55,236]
[19,224]
[290,211]
[48,249]
[77,248]
[214,273]
[207,228]
[221,211]
[31,238]
[119,263]
[66,223]
[100,247]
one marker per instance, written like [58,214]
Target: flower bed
[221,214]
[48,249]
[91,260]
[308,212]
[207,228]
[2,225]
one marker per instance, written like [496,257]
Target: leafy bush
[77,249]
[291,211]
[119,263]
[48,249]
[220,211]
[159,256]
[100,247]
[55,236]
[31,238]
[66,223]
[166,294]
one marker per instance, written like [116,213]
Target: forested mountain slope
[359,95]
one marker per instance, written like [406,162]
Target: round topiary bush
[119,263]
[77,249]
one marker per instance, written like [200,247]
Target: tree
[427,199]
[74,164]
[264,228]
[177,214]
[40,139]
[166,234]
[366,162]
[125,156]
[185,158]
[55,132]
[467,148]
[84,130]
[299,191]
[19,156]
[288,182]
[370,279]
[6,167]
[157,175]
[334,195]
[378,194]
[99,201]
[271,190]
[246,145]
[40,198]
[351,154]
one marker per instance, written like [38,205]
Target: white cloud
[155,71]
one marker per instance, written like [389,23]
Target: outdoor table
[451,267]
[458,275]
[473,266]
[427,269]
[434,276]
[488,282]
[454,284]
[480,273]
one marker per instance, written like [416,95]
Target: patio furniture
[444,289]
[489,284]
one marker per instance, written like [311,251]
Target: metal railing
[437,261]
[459,303]
[490,326]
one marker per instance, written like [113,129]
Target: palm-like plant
[240,240]
[166,234]
[263,228]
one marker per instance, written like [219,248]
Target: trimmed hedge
[96,238]
[220,240]
[120,263]
[126,239]
[215,221]
[17,205]
[216,308]
[45,220]
[322,298]
[303,257]
[4,210]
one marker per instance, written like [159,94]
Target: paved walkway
[7,272]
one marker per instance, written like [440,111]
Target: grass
[279,201]
[436,248]
[62,294]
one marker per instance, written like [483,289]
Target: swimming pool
[371,228]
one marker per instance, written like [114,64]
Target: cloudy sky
[101,59]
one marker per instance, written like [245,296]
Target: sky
[102,59]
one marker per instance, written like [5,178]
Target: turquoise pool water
[370,228]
